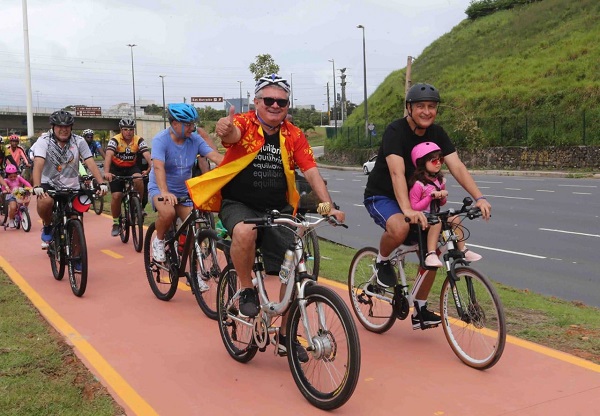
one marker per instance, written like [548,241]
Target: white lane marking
[544,190]
[358,205]
[513,189]
[333,192]
[569,232]
[509,197]
[340,179]
[582,193]
[488,182]
[528,179]
[356,180]
[535,256]
[581,186]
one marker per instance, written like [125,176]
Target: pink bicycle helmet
[423,149]
[10,169]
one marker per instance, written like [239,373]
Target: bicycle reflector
[81,203]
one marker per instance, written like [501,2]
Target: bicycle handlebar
[471,213]
[180,199]
[275,217]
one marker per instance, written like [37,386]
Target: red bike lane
[167,358]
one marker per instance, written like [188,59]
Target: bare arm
[314,178]
[107,162]
[149,161]
[91,165]
[463,177]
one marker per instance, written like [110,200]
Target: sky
[79,53]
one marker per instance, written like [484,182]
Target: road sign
[371,126]
[207,99]
[88,111]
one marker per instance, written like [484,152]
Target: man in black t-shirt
[386,193]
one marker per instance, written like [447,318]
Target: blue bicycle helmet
[274,80]
[185,113]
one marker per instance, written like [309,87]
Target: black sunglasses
[281,102]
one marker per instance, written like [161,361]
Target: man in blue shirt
[95,147]
[174,153]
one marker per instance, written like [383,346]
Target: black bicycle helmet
[422,92]
[127,123]
[61,118]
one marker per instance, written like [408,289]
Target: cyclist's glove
[38,190]
[103,188]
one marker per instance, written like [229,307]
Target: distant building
[305,107]
[236,103]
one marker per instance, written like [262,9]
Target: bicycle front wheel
[77,260]
[371,303]
[137,224]
[474,326]
[57,256]
[329,377]
[98,201]
[312,254]
[124,221]
[25,220]
[205,271]
[162,282]
[236,331]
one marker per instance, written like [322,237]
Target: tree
[263,66]
[153,109]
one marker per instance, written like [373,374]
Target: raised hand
[225,125]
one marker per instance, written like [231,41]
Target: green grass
[39,373]
[570,327]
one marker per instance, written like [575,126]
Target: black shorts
[272,241]
[118,186]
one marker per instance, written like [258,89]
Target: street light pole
[131,45]
[365,82]
[334,98]
[241,102]
[162,80]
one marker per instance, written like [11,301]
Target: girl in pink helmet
[13,181]
[428,193]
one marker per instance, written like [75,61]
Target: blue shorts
[381,208]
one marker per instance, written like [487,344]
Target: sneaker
[432,260]
[44,245]
[47,233]
[77,266]
[158,250]
[300,351]
[386,275]
[202,286]
[426,316]
[12,224]
[115,230]
[471,255]
[249,303]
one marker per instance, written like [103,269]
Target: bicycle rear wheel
[25,219]
[375,314]
[329,377]
[236,331]
[205,271]
[477,336]
[77,259]
[136,220]
[159,275]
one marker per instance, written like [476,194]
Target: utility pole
[408,82]
[328,106]
[334,98]
[343,85]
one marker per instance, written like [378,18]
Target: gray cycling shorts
[272,241]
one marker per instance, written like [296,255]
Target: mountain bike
[182,243]
[471,311]
[319,323]
[68,246]
[22,218]
[132,215]
[90,183]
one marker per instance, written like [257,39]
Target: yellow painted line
[131,398]
[540,349]
[111,253]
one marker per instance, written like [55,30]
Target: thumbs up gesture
[225,126]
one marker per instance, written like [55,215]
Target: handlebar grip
[256,221]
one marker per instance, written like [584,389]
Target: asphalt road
[544,234]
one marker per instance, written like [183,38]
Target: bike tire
[329,377]
[312,254]
[137,224]
[25,220]
[77,256]
[204,266]
[124,221]
[376,315]
[161,281]
[479,337]
[97,200]
[236,331]
[57,255]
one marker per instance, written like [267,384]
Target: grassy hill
[529,75]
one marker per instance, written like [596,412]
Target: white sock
[381,258]
[420,303]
